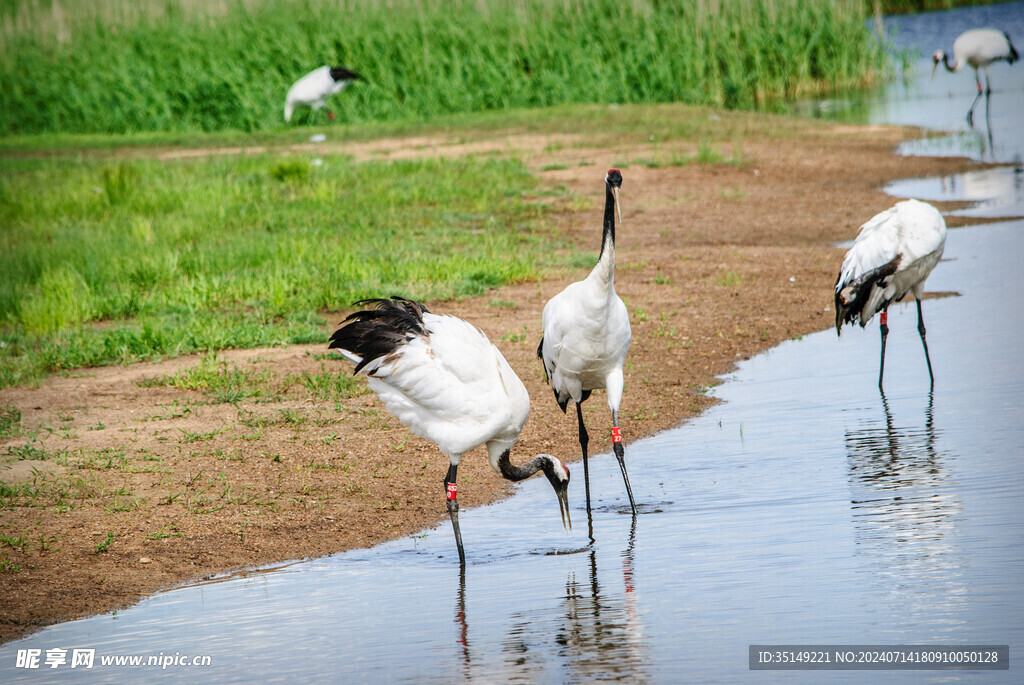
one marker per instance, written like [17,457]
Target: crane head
[340,73]
[613,179]
[937,58]
[557,474]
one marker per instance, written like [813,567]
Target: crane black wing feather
[380,331]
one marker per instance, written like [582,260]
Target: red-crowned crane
[441,377]
[977,48]
[586,337]
[893,254]
[313,89]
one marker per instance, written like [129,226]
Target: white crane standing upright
[977,48]
[441,377]
[313,89]
[586,336]
[893,254]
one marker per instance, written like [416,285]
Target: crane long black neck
[945,62]
[517,473]
[608,236]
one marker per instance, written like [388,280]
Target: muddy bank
[135,485]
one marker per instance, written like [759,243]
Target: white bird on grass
[977,48]
[313,89]
[586,336]
[441,377]
[893,254]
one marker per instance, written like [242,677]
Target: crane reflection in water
[906,513]
[596,631]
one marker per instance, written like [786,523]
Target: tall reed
[179,67]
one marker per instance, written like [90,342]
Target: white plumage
[978,49]
[442,377]
[586,336]
[453,387]
[313,89]
[893,254]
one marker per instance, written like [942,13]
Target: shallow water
[806,508]
[940,104]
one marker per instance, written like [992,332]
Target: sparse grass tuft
[213,377]
[10,422]
[729,279]
[105,544]
[330,385]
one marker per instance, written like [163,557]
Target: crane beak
[562,492]
[618,209]
[935,68]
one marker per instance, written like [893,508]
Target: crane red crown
[614,171]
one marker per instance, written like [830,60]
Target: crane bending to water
[441,377]
[977,48]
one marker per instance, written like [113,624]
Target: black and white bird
[977,48]
[586,336]
[441,377]
[893,255]
[313,89]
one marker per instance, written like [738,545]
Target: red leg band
[885,318]
[450,489]
[616,434]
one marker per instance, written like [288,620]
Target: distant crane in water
[586,336]
[977,48]
[441,377]
[313,89]
[893,254]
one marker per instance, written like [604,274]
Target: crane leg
[620,454]
[924,341]
[453,509]
[970,112]
[584,441]
[884,328]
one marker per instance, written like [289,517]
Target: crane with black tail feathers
[893,254]
[586,336]
[441,377]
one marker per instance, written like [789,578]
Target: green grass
[910,6]
[110,262]
[109,257]
[153,65]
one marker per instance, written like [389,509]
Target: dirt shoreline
[144,486]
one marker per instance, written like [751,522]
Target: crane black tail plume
[1013,51]
[851,296]
[376,332]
